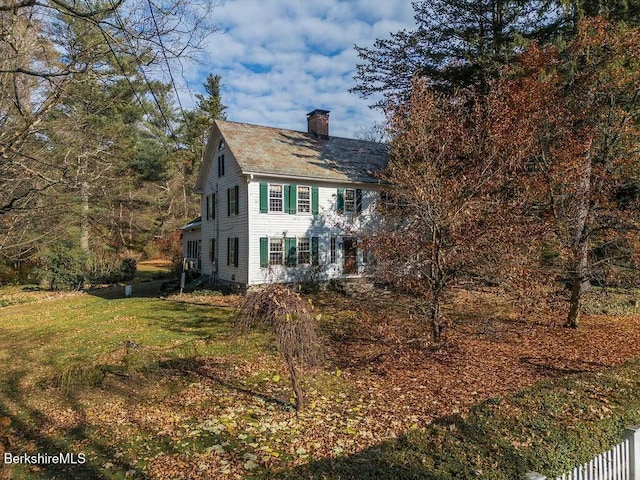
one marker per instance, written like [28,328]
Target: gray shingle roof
[276,151]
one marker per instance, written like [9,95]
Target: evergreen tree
[456,43]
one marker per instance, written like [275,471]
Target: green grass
[158,386]
[81,328]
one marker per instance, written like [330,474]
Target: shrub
[62,267]
[128,269]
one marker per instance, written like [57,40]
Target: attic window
[221,144]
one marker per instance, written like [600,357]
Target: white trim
[335,181]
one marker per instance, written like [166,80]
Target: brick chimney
[318,123]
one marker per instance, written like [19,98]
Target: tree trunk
[437,324]
[84,235]
[295,383]
[578,281]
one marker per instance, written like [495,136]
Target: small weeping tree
[290,317]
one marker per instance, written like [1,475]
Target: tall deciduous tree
[574,124]
[49,52]
[439,218]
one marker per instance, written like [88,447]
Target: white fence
[622,462]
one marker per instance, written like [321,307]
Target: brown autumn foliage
[569,121]
[532,185]
[444,215]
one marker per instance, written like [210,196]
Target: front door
[350,255]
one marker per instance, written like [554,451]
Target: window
[211,206]
[304,251]
[276,253]
[232,200]
[220,165]
[232,251]
[212,250]
[304,199]
[333,250]
[221,144]
[192,249]
[349,200]
[275,198]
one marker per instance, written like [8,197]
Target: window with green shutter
[340,200]
[290,251]
[264,252]
[264,197]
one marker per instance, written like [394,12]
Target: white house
[282,205]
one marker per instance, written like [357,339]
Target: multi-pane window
[275,198]
[232,251]
[220,165]
[333,250]
[276,251]
[304,199]
[232,201]
[304,251]
[349,200]
[211,206]
[192,249]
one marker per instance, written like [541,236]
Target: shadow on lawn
[24,436]
[450,447]
[218,373]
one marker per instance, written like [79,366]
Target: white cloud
[280,59]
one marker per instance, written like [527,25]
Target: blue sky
[280,59]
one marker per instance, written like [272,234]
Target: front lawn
[161,388]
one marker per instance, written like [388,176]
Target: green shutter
[287,199]
[358,201]
[290,251]
[228,250]
[237,194]
[228,202]
[340,200]
[264,252]
[315,257]
[293,199]
[208,207]
[264,197]
[211,252]
[235,258]
[314,200]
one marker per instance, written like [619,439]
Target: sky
[280,59]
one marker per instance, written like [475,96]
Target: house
[192,244]
[281,205]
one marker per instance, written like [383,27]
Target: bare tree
[49,49]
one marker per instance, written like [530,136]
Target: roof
[276,151]
[195,223]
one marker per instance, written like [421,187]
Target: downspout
[217,257]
